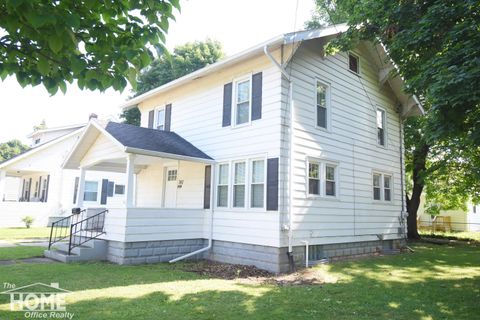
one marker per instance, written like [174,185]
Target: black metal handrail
[59,229]
[87,229]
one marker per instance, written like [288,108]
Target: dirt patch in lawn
[254,275]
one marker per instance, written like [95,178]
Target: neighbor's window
[242,102]
[314,178]
[381,120]
[382,187]
[172,175]
[329,180]
[161,119]
[239,185]
[322,104]
[353,63]
[119,189]
[258,184]
[222,189]
[91,191]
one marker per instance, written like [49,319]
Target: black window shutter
[168,116]
[151,116]
[75,190]
[227,105]
[29,189]
[23,189]
[110,189]
[103,196]
[257,96]
[272,184]
[46,189]
[207,187]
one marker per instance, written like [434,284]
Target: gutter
[291,153]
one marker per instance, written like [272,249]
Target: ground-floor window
[322,178]
[382,186]
[91,191]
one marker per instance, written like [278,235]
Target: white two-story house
[260,158]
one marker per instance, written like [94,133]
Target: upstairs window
[323,97]
[222,189]
[353,63]
[242,102]
[160,119]
[381,125]
[382,187]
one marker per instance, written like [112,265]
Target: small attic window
[353,63]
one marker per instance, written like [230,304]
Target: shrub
[28,220]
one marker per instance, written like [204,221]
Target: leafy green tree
[11,148]
[100,44]
[168,66]
[435,46]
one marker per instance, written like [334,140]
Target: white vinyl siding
[351,142]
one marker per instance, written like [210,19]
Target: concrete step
[92,250]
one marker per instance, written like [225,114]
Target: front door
[170,194]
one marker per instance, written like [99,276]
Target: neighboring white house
[34,183]
[263,153]
[450,220]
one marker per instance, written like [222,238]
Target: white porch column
[3,180]
[130,181]
[81,188]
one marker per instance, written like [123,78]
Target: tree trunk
[419,166]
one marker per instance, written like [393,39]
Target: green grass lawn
[435,282]
[24,233]
[20,252]
[465,235]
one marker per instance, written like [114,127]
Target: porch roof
[115,141]
[133,137]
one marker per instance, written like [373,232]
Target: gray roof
[153,140]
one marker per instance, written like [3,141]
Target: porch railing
[60,229]
[87,229]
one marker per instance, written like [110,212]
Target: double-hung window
[242,101]
[239,184]
[381,126]
[323,102]
[160,124]
[353,63]
[322,179]
[91,191]
[382,187]
[257,186]
[222,189]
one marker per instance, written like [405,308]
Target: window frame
[353,54]
[382,175]
[323,163]
[248,183]
[251,183]
[85,190]
[156,118]
[235,82]
[217,185]
[245,182]
[327,104]
[385,129]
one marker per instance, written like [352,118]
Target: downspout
[404,213]
[210,237]
[291,153]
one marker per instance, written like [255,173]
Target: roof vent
[92,116]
